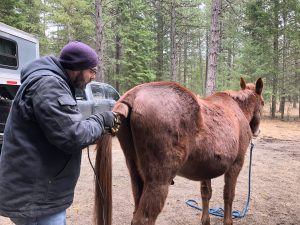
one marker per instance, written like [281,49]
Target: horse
[166,130]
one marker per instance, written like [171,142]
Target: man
[44,136]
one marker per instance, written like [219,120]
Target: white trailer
[17,48]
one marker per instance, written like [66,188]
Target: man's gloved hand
[117,122]
[108,119]
[111,121]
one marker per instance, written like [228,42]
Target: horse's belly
[203,170]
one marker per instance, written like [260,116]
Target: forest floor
[275,186]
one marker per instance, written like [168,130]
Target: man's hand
[111,121]
[117,122]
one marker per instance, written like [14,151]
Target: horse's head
[258,104]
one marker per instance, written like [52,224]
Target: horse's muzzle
[256,133]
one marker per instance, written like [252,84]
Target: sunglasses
[94,70]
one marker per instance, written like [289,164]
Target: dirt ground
[275,197]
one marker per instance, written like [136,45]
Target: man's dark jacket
[43,139]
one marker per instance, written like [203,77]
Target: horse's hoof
[228,222]
[205,221]
[141,221]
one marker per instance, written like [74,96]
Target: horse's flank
[210,156]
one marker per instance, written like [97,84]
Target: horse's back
[223,119]
[163,104]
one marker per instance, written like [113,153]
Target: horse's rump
[162,116]
[162,107]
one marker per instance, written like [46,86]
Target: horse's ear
[259,86]
[243,83]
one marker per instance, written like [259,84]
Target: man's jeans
[54,219]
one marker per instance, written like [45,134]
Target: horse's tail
[103,170]
[103,181]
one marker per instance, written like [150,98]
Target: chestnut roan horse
[165,131]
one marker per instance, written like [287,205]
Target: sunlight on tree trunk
[213,48]
[159,40]
[173,42]
[99,41]
[275,58]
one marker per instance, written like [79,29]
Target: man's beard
[79,81]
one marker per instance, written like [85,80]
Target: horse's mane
[241,95]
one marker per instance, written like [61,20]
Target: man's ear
[243,84]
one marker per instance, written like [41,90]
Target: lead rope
[98,182]
[220,211]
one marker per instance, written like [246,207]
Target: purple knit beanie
[78,56]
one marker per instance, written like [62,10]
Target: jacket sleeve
[57,114]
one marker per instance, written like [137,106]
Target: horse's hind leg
[151,203]
[125,138]
[206,193]
[136,183]
[229,191]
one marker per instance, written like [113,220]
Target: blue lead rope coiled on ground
[220,211]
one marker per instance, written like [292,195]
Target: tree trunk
[118,59]
[206,63]
[99,41]
[295,100]
[229,65]
[173,41]
[69,33]
[185,66]
[201,66]
[297,77]
[296,82]
[179,63]
[213,48]
[275,58]
[282,106]
[159,41]
[283,91]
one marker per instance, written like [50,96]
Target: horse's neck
[245,102]
[247,111]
